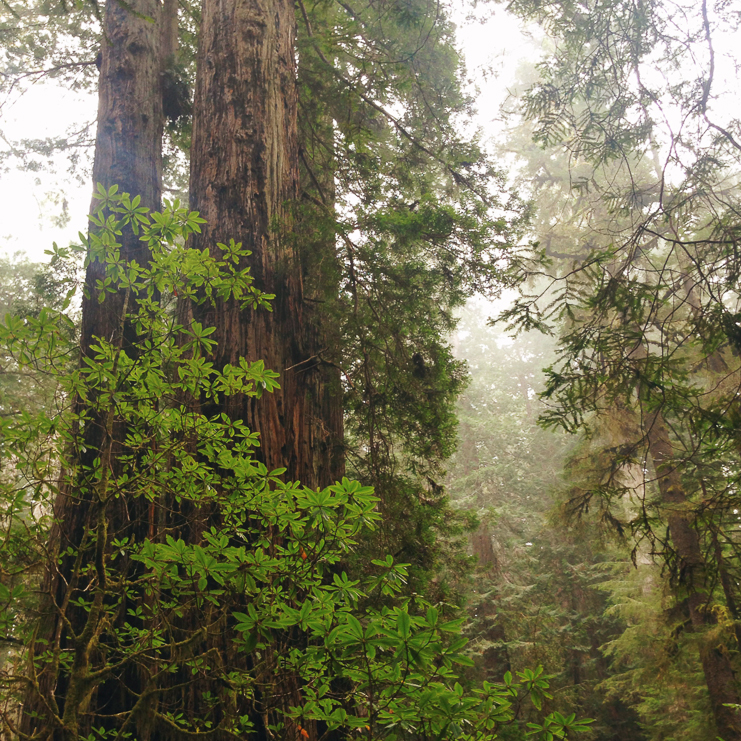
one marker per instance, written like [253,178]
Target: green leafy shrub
[183,579]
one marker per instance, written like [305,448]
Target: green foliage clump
[191,571]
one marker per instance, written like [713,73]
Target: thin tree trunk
[321,273]
[169,33]
[727,583]
[496,659]
[716,664]
[127,154]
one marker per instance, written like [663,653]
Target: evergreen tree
[179,632]
[399,217]
[646,295]
[418,223]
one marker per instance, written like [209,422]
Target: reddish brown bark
[127,154]
[716,664]
[244,182]
[128,144]
[324,410]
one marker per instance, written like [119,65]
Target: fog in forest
[426,425]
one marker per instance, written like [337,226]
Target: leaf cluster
[223,580]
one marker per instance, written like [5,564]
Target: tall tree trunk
[719,676]
[244,182]
[169,33]
[727,583]
[128,144]
[324,428]
[127,154]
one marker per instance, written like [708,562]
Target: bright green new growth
[228,584]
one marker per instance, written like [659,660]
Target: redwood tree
[244,183]
[128,154]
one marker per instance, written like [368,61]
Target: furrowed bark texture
[128,145]
[325,422]
[127,154]
[244,182]
[716,664]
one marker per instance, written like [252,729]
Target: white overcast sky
[491,41]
